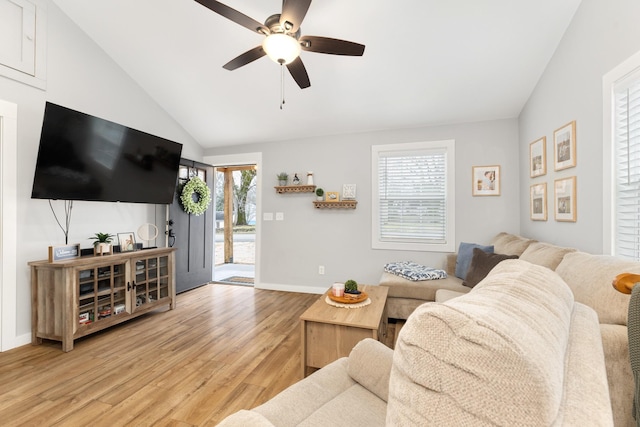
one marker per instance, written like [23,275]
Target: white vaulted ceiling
[426,62]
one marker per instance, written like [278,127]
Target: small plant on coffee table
[351,287]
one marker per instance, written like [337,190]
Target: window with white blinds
[413,198]
[626,166]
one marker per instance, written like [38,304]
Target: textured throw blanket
[414,271]
[633,329]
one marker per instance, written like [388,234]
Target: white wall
[601,35]
[340,240]
[79,76]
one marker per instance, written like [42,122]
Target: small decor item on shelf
[199,206]
[351,287]
[102,244]
[320,194]
[296,180]
[309,178]
[283,177]
[333,196]
[348,192]
[127,242]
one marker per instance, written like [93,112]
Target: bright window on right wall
[622,160]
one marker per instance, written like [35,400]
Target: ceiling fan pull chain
[281,86]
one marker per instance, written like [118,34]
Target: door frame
[238,160]
[8,223]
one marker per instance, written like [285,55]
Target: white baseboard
[292,288]
[19,341]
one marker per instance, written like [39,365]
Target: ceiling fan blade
[247,57]
[293,12]
[331,46]
[235,16]
[299,73]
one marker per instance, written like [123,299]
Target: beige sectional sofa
[588,276]
[517,350]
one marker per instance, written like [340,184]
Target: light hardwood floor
[222,349]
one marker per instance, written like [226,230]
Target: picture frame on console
[538,157]
[565,199]
[485,180]
[538,202]
[127,242]
[564,146]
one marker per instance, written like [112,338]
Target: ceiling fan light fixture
[281,48]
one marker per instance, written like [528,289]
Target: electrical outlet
[321,269]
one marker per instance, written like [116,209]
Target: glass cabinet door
[102,292]
[151,280]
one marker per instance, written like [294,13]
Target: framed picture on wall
[485,181]
[538,157]
[565,199]
[538,202]
[564,146]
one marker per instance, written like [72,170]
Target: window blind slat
[627,169]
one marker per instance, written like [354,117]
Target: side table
[329,333]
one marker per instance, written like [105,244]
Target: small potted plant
[283,177]
[319,194]
[351,287]
[102,244]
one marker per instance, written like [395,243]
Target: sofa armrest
[245,418]
[370,365]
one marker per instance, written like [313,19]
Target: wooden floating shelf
[295,189]
[345,204]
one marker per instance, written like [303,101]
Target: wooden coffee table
[329,332]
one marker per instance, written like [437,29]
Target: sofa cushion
[510,244]
[590,276]
[422,290]
[465,253]
[481,264]
[494,356]
[545,254]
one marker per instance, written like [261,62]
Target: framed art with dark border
[127,242]
[485,181]
[538,202]
[564,194]
[564,146]
[538,157]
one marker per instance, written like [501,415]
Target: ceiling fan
[283,42]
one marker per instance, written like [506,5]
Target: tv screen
[82,157]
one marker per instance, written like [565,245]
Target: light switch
[279,216]
[267,216]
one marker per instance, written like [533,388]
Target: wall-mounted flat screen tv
[82,157]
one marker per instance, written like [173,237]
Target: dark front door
[192,235]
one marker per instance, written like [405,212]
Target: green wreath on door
[201,204]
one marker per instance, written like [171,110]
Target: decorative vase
[309,178]
[102,249]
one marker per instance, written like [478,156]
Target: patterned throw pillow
[414,271]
